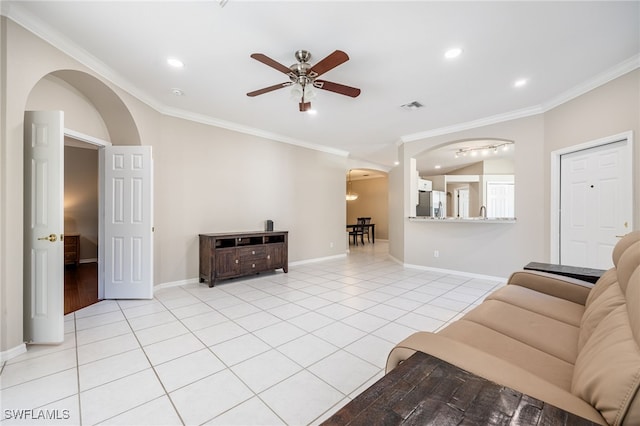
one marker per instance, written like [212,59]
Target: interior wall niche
[467,179]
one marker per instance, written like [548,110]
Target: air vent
[412,106]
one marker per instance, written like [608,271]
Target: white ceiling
[396,54]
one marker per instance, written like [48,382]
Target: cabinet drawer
[256,265]
[254,252]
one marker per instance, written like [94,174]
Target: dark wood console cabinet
[71,249]
[231,255]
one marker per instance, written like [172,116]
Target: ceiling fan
[303,76]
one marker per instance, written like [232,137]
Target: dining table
[371,226]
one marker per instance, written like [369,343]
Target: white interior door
[43,227]
[595,204]
[462,197]
[128,222]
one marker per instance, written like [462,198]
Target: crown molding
[205,119]
[41,29]
[619,70]
[44,31]
[494,119]
[611,74]
[48,34]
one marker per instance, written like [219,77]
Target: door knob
[51,238]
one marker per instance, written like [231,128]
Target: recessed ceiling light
[521,82]
[453,53]
[177,92]
[438,166]
[174,62]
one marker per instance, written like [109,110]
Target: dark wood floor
[80,286]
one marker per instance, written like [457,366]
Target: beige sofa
[560,340]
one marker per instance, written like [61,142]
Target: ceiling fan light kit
[303,76]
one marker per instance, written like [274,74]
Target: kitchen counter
[431,219]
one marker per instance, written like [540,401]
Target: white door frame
[555,183]
[100,144]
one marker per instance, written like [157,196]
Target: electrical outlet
[436,253]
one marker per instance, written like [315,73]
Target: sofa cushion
[541,303]
[540,363]
[567,288]
[607,370]
[628,263]
[599,308]
[548,335]
[604,282]
[622,246]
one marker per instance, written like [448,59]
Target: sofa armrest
[491,368]
[567,288]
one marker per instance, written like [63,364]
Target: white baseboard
[13,352]
[317,259]
[175,283]
[454,272]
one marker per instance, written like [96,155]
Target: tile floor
[267,350]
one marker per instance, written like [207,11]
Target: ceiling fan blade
[270,62]
[305,106]
[269,89]
[337,88]
[330,62]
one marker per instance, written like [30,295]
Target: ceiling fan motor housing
[303,56]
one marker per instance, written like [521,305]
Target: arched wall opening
[372,189]
[94,117]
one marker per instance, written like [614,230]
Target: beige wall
[207,179]
[80,115]
[214,180]
[497,250]
[608,110]
[24,60]
[486,248]
[373,202]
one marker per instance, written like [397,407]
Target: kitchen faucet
[483,212]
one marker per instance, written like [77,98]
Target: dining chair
[366,229]
[358,230]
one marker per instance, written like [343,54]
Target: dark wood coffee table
[426,390]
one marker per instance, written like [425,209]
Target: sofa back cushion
[607,369]
[606,295]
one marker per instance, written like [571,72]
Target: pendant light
[351,196]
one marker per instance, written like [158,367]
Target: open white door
[43,226]
[128,222]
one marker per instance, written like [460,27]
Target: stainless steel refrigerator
[429,203]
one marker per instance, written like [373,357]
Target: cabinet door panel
[227,262]
[276,255]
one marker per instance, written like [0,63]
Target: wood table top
[425,390]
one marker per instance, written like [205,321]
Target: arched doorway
[92,113]
[372,201]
